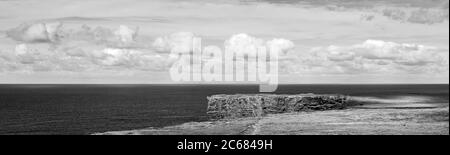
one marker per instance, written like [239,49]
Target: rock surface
[257,105]
[432,121]
[308,114]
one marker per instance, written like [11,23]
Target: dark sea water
[86,109]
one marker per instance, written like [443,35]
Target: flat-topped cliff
[240,115]
[256,105]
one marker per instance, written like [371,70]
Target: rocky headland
[310,114]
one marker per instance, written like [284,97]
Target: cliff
[256,105]
[240,115]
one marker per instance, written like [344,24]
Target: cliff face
[256,105]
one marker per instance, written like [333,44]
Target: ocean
[87,109]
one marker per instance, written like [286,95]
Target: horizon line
[222,84]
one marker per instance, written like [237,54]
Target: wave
[396,102]
[396,99]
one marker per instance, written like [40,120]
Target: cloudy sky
[128,41]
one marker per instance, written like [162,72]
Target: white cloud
[21,49]
[375,56]
[104,49]
[55,33]
[85,49]
[50,47]
[281,45]
[244,44]
[126,34]
[120,37]
[36,32]
[27,58]
[26,55]
[180,42]
[248,45]
[132,59]
[115,57]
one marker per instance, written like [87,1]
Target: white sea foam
[398,99]
[396,102]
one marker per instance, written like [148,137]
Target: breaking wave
[403,102]
[397,99]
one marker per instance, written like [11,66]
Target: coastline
[352,121]
[361,119]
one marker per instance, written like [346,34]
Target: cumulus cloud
[248,45]
[115,57]
[126,34]
[136,60]
[36,32]
[243,43]
[90,49]
[180,42]
[376,56]
[28,58]
[55,33]
[131,59]
[21,49]
[120,37]
[85,48]
[281,45]
[26,55]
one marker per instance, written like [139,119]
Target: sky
[129,41]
